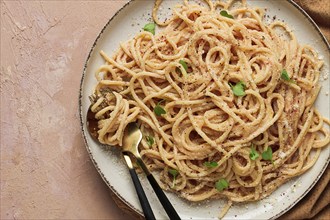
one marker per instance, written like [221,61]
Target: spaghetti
[225,102]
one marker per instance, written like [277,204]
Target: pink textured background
[46,172]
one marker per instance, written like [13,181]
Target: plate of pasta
[232,98]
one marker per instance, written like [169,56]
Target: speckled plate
[124,25]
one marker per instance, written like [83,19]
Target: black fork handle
[169,209]
[172,214]
[148,214]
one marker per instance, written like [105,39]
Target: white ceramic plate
[124,25]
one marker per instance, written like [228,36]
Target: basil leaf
[150,28]
[239,88]
[225,14]
[174,173]
[253,153]
[268,155]
[184,64]
[150,140]
[285,76]
[221,184]
[210,164]
[185,68]
[158,110]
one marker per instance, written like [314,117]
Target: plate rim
[83,130]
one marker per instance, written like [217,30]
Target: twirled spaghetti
[220,144]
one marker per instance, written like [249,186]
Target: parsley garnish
[210,164]
[285,76]
[150,140]
[253,153]
[159,110]
[225,14]
[268,155]
[221,184]
[150,28]
[239,88]
[174,173]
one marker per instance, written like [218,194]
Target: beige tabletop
[46,172]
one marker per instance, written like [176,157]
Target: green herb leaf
[174,173]
[268,155]
[158,110]
[150,140]
[253,153]
[210,164]
[150,28]
[184,64]
[225,14]
[221,184]
[285,76]
[239,88]
[185,68]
